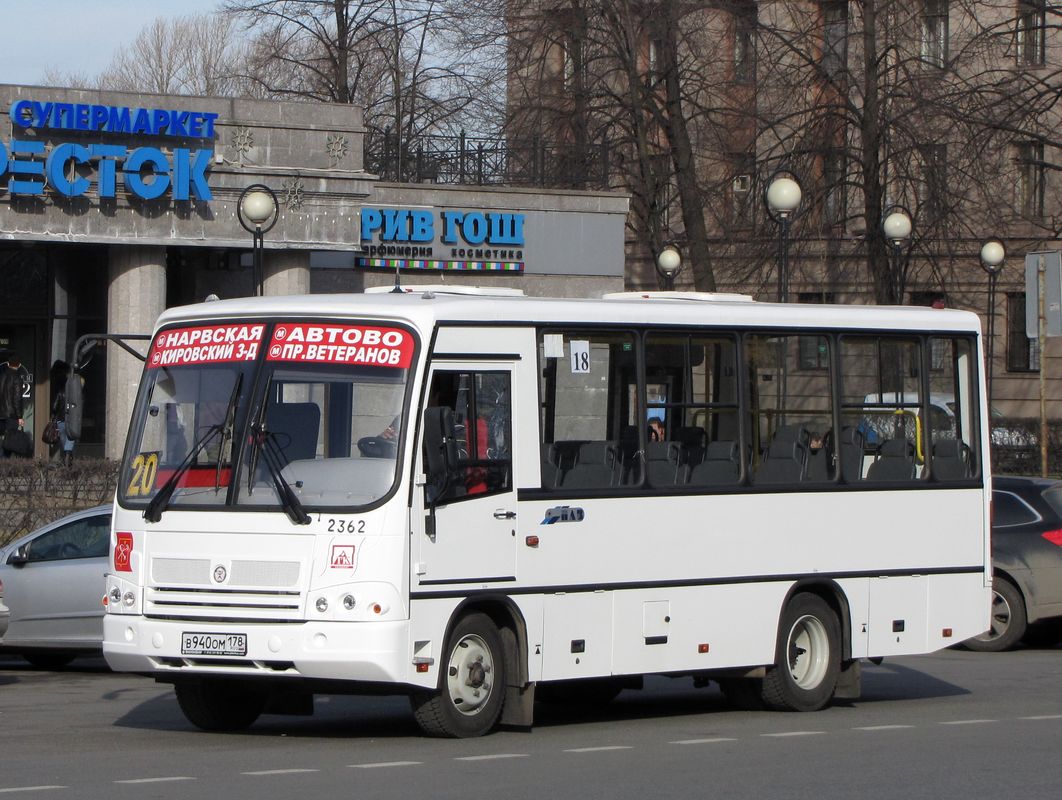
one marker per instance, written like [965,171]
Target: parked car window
[84,538]
[1053,497]
[1009,509]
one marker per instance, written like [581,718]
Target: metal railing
[484,161]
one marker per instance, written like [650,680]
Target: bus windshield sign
[358,345]
[207,344]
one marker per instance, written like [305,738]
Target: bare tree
[183,55]
[620,75]
[392,58]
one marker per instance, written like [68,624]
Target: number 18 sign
[580,355]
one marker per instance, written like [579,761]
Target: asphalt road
[953,724]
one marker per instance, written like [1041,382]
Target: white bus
[468,496]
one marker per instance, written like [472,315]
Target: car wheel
[471,689]
[219,705]
[49,660]
[1007,623]
[809,657]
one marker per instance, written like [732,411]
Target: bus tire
[219,705]
[468,701]
[1008,621]
[809,658]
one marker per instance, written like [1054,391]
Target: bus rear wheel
[219,705]
[805,676]
[471,689]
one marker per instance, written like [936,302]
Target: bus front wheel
[471,689]
[219,705]
[805,676]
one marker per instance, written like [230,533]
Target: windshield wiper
[267,446]
[226,428]
[153,512]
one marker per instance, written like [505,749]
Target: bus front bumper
[351,651]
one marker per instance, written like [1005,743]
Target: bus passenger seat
[664,464]
[594,466]
[895,462]
[951,460]
[851,452]
[721,465]
[295,428]
[786,458]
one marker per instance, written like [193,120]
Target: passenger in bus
[390,433]
[656,429]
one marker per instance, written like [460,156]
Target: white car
[52,583]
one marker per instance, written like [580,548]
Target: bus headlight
[128,599]
[322,604]
[349,602]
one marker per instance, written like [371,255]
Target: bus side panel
[857,595]
[661,630]
[577,635]
[950,608]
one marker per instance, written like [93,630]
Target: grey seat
[951,460]
[721,465]
[850,448]
[786,458]
[295,427]
[586,465]
[895,462]
[664,464]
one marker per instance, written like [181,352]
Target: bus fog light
[156,641]
[130,634]
[128,599]
[322,604]
[349,602]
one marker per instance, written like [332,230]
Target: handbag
[50,434]
[17,442]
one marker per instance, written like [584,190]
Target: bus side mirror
[440,450]
[74,406]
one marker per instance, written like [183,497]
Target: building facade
[116,206]
[942,109]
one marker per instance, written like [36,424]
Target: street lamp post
[668,265]
[257,211]
[782,199]
[897,229]
[993,254]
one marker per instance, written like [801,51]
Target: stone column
[286,272]
[136,295]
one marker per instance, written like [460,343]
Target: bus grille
[251,590]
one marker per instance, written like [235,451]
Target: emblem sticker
[342,556]
[563,514]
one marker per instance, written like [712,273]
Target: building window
[742,194]
[1023,353]
[834,37]
[834,197]
[812,351]
[935,33]
[937,348]
[745,44]
[656,48]
[1032,23]
[932,186]
[1030,189]
[574,66]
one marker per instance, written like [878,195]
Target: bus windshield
[311,421]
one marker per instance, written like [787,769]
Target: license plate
[214,644]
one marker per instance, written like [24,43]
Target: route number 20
[145,467]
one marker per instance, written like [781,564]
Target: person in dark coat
[11,390]
[58,375]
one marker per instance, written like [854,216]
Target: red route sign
[206,344]
[360,345]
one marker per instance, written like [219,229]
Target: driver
[390,433]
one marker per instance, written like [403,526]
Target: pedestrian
[58,376]
[11,401]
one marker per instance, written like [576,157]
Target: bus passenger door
[466,531]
